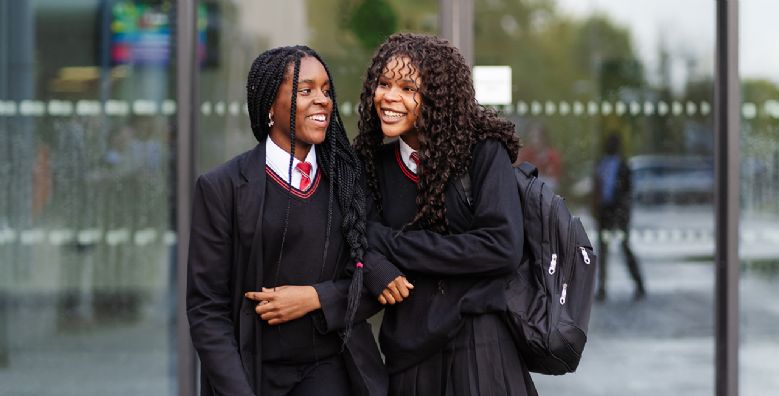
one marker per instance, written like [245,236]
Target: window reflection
[85,125]
[586,70]
[338,30]
[86,295]
[759,247]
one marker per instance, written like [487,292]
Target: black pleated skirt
[481,360]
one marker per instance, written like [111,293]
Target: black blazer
[225,261]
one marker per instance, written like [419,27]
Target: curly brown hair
[450,121]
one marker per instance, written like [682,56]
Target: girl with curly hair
[447,337]
[277,244]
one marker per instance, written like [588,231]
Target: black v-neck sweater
[302,263]
[459,274]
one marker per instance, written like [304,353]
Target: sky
[688,27]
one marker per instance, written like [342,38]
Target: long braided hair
[339,161]
[450,121]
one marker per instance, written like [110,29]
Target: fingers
[270,313]
[260,296]
[388,296]
[396,291]
[396,294]
[264,307]
[273,289]
[401,288]
[407,283]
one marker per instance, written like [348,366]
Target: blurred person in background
[612,207]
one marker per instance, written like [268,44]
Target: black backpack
[550,297]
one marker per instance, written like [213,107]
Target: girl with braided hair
[449,337]
[277,244]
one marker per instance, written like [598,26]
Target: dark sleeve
[333,298]
[379,271]
[333,294]
[208,291]
[492,246]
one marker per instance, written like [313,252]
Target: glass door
[86,238]
[600,83]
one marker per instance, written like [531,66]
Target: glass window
[344,33]
[759,245]
[586,75]
[86,245]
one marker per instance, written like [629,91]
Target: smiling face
[313,110]
[397,99]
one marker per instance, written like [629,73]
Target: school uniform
[239,210]
[450,337]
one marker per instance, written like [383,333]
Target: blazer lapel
[251,199]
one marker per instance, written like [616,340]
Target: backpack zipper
[570,253]
[553,233]
[571,264]
[585,256]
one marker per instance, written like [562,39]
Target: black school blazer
[225,261]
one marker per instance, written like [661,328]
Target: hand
[284,303]
[395,291]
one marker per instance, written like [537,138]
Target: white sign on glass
[492,84]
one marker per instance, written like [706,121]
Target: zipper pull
[565,292]
[553,264]
[586,257]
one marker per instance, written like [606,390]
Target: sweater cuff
[379,272]
[331,309]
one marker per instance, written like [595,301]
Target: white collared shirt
[278,161]
[405,155]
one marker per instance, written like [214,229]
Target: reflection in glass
[584,70]
[345,33]
[86,293]
[759,247]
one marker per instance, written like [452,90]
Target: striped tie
[305,175]
[414,157]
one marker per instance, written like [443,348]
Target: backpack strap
[463,187]
[463,184]
[528,169]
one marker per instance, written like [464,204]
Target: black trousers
[324,377]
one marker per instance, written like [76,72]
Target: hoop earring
[270,120]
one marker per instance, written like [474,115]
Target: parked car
[672,179]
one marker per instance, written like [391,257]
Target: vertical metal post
[186,82]
[727,127]
[455,19]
